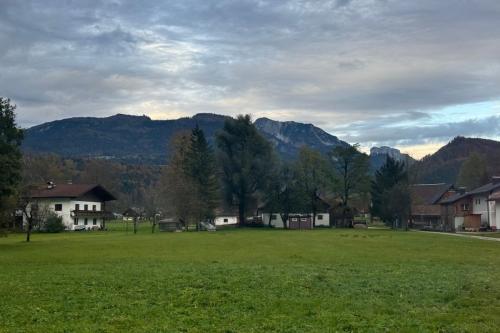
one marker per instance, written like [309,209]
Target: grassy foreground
[249,281]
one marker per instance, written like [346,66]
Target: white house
[483,205]
[81,206]
[494,210]
[322,219]
[226,219]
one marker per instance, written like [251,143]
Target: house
[130,214]
[226,219]
[275,220]
[425,204]
[494,201]
[81,206]
[170,225]
[473,210]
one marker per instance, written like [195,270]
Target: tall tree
[473,172]
[313,178]
[283,195]
[10,154]
[244,156]
[351,169]
[390,193]
[200,166]
[177,188]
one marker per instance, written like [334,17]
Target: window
[478,201]
[465,207]
[226,220]
[273,217]
[94,207]
[94,222]
[86,221]
[76,221]
[58,207]
[320,217]
[294,219]
[303,219]
[86,207]
[77,206]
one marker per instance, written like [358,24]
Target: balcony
[99,214]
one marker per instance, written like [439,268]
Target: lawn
[249,280]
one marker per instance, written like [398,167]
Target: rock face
[141,140]
[378,156]
[289,136]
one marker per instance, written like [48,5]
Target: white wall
[225,220]
[480,206]
[278,222]
[67,206]
[497,214]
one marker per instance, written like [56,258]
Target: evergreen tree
[201,168]
[390,193]
[244,156]
[10,156]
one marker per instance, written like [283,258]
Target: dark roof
[428,194]
[72,191]
[454,198]
[485,188]
[488,188]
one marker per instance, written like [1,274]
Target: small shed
[300,221]
[169,225]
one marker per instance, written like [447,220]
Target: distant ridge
[444,165]
[139,139]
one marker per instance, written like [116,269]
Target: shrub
[54,224]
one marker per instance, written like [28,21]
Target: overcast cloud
[369,71]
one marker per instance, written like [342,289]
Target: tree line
[242,172]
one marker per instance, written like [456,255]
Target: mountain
[378,156]
[289,136]
[444,165]
[139,139]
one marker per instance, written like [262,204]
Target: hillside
[378,157]
[444,165]
[139,139]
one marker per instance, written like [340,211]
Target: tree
[34,212]
[282,194]
[473,172]
[200,167]
[10,154]
[177,188]
[244,157]
[313,178]
[390,193]
[351,168]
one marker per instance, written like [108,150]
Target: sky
[403,73]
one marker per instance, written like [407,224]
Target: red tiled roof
[72,191]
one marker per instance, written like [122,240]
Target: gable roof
[428,194]
[484,189]
[72,191]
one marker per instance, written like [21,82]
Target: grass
[248,281]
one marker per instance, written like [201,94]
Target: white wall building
[494,201]
[483,204]
[80,206]
[222,220]
[322,219]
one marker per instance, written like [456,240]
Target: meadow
[249,280]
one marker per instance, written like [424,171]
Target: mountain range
[139,139]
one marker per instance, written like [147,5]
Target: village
[434,207]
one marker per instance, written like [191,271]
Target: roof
[72,191]
[428,194]
[495,196]
[485,188]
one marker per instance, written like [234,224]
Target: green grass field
[249,280]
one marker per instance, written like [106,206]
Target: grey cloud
[334,63]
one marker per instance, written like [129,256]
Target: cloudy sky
[405,73]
